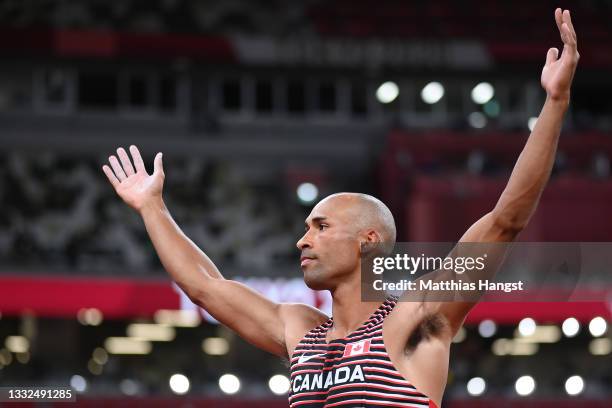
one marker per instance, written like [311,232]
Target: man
[353,359]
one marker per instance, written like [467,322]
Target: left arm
[532,170]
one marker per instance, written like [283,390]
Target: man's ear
[370,242]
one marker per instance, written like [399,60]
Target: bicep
[488,230]
[251,315]
[268,325]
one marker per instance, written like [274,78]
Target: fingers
[125,161]
[568,35]
[568,20]
[117,172]
[138,162]
[566,28]
[117,168]
[551,56]
[157,164]
[559,18]
[111,176]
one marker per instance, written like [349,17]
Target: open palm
[558,73]
[132,182]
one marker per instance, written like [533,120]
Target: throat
[338,331]
[335,334]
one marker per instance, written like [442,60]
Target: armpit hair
[431,326]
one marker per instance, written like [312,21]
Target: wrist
[559,100]
[155,205]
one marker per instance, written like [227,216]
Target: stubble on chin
[314,280]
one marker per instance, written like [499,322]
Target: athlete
[368,354]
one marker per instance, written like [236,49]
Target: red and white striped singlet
[351,372]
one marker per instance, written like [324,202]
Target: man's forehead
[318,214]
[331,207]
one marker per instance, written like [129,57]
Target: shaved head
[368,212]
[340,230]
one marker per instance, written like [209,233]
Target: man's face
[331,246]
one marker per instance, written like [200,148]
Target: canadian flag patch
[355,349]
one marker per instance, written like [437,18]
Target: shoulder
[300,314]
[299,319]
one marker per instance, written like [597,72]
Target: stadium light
[482,93]
[387,92]
[574,385]
[541,334]
[229,383]
[94,367]
[151,332]
[570,327]
[492,108]
[215,346]
[127,345]
[177,318]
[23,358]
[78,383]
[598,326]
[523,349]
[279,384]
[527,327]
[94,317]
[477,120]
[600,347]
[432,92]
[179,384]
[525,385]
[487,328]
[6,357]
[502,347]
[17,344]
[91,317]
[307,193]
[129,387]
[476,386]
[100,356]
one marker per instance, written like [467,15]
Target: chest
[356,369]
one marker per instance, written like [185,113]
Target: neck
[348,310]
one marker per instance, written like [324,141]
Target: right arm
[268,325]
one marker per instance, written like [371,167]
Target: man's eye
[322,227]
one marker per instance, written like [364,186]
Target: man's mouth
[305,260]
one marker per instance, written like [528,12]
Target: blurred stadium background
[261,108]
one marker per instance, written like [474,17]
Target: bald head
[367,212]
[340,231]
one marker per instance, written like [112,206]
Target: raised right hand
[136,187]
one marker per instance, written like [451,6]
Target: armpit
[431,326]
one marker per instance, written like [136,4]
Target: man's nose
[304,242]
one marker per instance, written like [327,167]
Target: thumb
[157,164]
[552,55]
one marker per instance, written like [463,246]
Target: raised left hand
[558,73]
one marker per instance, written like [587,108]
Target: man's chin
[315,282]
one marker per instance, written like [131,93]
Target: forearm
[532,169]
[187,265]
[252,316]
